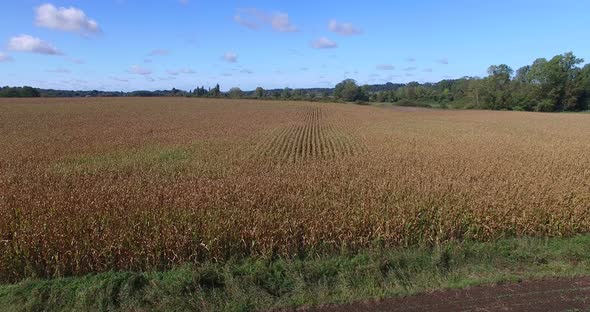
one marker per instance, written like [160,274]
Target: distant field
[100,184]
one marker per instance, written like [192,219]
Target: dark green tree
[216,91]
[348,91]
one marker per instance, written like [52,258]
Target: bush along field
[115,187]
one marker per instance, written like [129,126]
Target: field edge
[284,284]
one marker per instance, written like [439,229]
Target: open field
[93,185]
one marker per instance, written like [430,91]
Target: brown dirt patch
[538,295]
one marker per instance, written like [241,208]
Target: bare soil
[538,295]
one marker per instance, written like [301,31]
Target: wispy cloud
[138,70]
[410,60]
[230,57]
[280,22]
[176,72]
[5,57]
[119,79]
[187,71]
[246,71]
[411,68]
[427,70]
[59,70]
[385,67]
[246,23]
[443,61]
[254,19]
[65,19]
[323,43]
[27,43]
[159,52]
[75,60]
[344,29]
[250,18]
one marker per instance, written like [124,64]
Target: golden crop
[90,185]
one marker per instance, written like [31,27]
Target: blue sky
[161,44]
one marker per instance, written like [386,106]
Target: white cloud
[443,61]
[5,57]
[230,57]
[385,67]
[411,68]
[245,22]
[254,19]
[323,43]
[26,43]
[427,70]
[410,60]
[66,19]
[138,70]
[344,29]
[246,71]
[159,52]
[280,22]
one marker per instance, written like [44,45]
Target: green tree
[555,82]
[496,93]
[235,93]
[286,93]
[297,94]
[216,91]
[29,92]
[259,93]
[348,91]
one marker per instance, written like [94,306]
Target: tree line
[557,84]
[547,85]
[13,92]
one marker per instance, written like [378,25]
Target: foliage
[259,93]
[19,92]
[235,93]
[551,85]
[349,91]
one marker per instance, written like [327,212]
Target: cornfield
[92,185]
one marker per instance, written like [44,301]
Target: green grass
[257,284]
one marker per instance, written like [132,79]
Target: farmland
[94,185]
[99,184]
